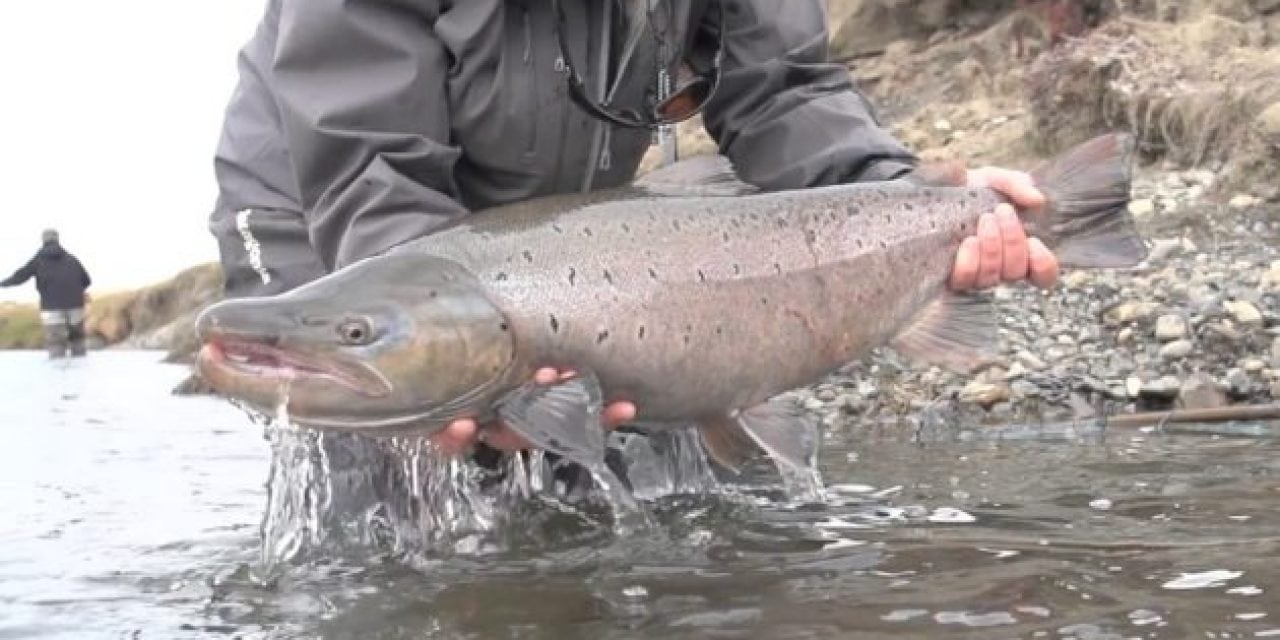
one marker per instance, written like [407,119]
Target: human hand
[460,435]
[1000,250]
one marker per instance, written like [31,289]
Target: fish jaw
[263,374]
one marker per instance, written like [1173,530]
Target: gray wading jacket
[361,124]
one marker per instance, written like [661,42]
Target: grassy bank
[20,326]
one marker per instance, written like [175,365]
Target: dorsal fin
[707,175]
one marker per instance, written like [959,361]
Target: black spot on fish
[653,274]
[888,218]
[573,275]
[503,326]
[687,339]
[702,277]
[502,275]
[675,224]
[737,270]
[626,228]
[933,224]
[528,256]
[432,294]
[555,325]
[608,277]
[719,330]
[884,245]
[556,228]
[778,268]
[859,243]
[640,333]
[764,301]
[725,235]
[907,206]
[601,337]
[587,231]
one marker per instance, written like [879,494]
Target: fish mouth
[226,359]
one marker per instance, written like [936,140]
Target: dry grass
[20,326]
[1189,92]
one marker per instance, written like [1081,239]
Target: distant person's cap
[49,235]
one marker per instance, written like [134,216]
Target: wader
[63,331]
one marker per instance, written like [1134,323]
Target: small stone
[1100,504]
[1244,312]
[1142,207]
[942,125]
[813,404]
[826,394]
[1133,386]
[1242,201]
[1275,350]
[1077,279]
[1176,350]
[1253,365]
[1275,390]
[1129,312]
[984,394]
[1170,327]
[1034,363]
[1016,370]
[1125,335]
[1239,382]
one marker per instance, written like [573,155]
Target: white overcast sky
[110,112]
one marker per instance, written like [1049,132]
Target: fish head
[394,344]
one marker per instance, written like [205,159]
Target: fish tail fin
[1086,220]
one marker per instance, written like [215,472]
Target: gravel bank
[1197,325]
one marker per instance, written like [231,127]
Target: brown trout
[702,309]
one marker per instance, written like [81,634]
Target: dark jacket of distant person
[60,278]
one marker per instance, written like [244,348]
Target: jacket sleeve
[85,280]
[20,276]
[783,114]
[361,93]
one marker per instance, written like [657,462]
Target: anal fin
[791,437]
[725,442]
[956,331]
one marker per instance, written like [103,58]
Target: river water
[126,512]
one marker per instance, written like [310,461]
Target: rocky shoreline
[1197,325]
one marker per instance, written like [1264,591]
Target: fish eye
[356,331]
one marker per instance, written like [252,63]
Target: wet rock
[1201,392]
[1165,388]
[1176,350]
[1170,327]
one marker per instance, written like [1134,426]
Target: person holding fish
[359,125]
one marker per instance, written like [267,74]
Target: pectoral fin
[791,437]
[562,418]
[957,331]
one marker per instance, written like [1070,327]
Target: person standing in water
[62,282]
